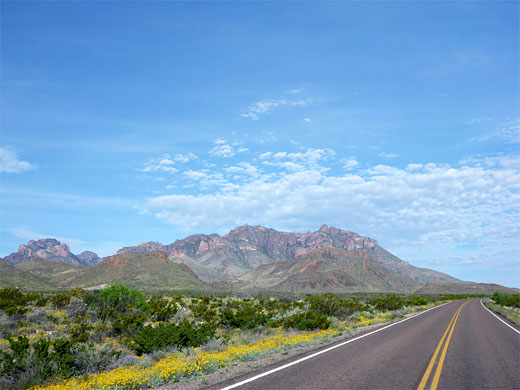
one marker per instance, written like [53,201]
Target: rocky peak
[144,247]
[49,249]
[88,258]
[324,228]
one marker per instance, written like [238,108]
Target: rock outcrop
[50,249]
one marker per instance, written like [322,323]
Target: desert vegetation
[507,305]
[120,338]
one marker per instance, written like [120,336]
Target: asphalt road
[457,346]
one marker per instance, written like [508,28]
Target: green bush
[128,324]
[186,334]
[503,299]
[121,299]
[308,320]
[332,305]
[387,302]
[162,309]
[13,301]
[247,317]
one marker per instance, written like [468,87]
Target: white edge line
[500,319]
[254,378]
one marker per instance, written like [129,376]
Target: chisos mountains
[248,258]
[51,249]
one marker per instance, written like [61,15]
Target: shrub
[60,300]
[186,334]
[128,324]
[387,302]
[118,299]
[308,320]
[247,317]
[503,299]
[89,359]
[332,305]
[76,307]
[162,309]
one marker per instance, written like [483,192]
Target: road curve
[457,346]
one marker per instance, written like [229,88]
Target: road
[459,345]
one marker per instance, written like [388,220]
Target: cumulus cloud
[222,149]
[26,233]
[350,163]
[184,158]
[162,164]
[10,163]
[255,110]
[388,155]
[508,132]
[306,159]
[421,208]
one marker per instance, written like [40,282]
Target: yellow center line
[426,375]
[437,376]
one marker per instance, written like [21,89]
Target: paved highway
[459,345]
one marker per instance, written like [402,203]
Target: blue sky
[125,122]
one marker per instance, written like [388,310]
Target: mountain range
[246,258]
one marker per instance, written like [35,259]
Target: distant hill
[13,277]
[50,249]
[328,269]
[147,271]
[465,288]
[56,273]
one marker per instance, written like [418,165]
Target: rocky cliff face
[88,258]
[50,249]
[144,247]
[275,244]
[214,257]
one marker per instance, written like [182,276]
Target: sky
[126,122]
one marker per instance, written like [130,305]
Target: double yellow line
[436,377]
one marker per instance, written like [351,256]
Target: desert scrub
[180,367]
[511,313]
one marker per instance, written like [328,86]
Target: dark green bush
[503,299]
[122,300]
[128,324]
[162,309]
[332,305]
[387,302]
[186,334]
[247,317]
[308,320]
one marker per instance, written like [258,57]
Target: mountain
[50,249]
[10,276]
[327,269]
[214,257]
[465,288]
[145,271]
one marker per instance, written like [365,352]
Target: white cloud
[255,110]
[298,161]
[388,155]
[307,120]
[350,163]
[508,132]
[184,158]
[161,164]
[420,210]
[26,233]
[222,149]
[9,162]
